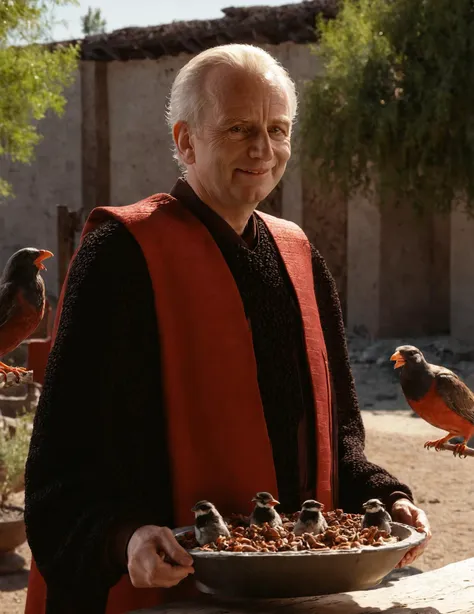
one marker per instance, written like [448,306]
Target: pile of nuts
[343,533]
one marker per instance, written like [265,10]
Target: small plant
[14,446]
[93,22]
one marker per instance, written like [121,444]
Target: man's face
[242,144]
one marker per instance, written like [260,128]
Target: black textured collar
[221,231]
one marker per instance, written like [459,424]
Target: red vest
[209,367]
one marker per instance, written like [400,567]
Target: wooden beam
[67,226]
[102,135]
[451,447]
[88,137]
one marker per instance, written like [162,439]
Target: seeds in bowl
[344,532]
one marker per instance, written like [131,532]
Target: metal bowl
[299,574]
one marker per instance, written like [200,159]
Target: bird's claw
[17,371]
[459,450]
[437,445]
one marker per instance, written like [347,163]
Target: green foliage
[13,454]
[93,22]
[32,77]
[395,102]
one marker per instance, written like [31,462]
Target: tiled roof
[257,25]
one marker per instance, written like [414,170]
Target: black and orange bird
[437,395]
[22,300]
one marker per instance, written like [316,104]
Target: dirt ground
[442,485]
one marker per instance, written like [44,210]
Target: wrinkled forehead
[234,93]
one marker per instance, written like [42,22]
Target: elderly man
[199,354]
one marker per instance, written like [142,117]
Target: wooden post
[67,226]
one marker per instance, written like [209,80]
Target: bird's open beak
[44,253]
[399,360]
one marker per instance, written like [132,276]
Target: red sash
[209,369]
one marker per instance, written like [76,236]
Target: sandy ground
[442,485]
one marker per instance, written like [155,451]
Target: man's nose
[261,146]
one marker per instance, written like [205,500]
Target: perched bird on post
[22,300]
[311,519]
[376,516]
[264,510]
[209,523]
[437,395]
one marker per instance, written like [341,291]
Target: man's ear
[184,142]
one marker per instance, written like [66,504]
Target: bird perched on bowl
[264,510]
[437,395]
[209,524]
[22,300]
[311,519]
[376,516]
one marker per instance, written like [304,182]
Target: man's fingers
[175,552]
[422,523]
[146,551]
[407,560]
[411,556]
[155,572]
[418,519]
[170,575]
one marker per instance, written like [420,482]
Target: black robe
[98,462]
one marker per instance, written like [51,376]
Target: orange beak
[274,502]
[399,360]
[44,253]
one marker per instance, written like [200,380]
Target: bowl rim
[414,539]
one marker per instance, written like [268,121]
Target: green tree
[395,101]
[33,76]
[93,22]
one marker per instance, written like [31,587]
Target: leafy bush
[396,101]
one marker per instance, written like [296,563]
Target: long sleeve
[86,487]
[359,479]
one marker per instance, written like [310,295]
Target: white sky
[124,13]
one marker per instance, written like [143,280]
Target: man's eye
[277,130]
[237,129]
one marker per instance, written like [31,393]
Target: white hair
[188,97]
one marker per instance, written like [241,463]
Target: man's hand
[406,512]
[146,567]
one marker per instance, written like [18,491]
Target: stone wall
[396,274]
[54,178]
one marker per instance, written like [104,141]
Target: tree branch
[451,447]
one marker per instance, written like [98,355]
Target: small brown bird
[209,524]
[437,395]
[264,510]
[376,516]
[311,519]
[22,300]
